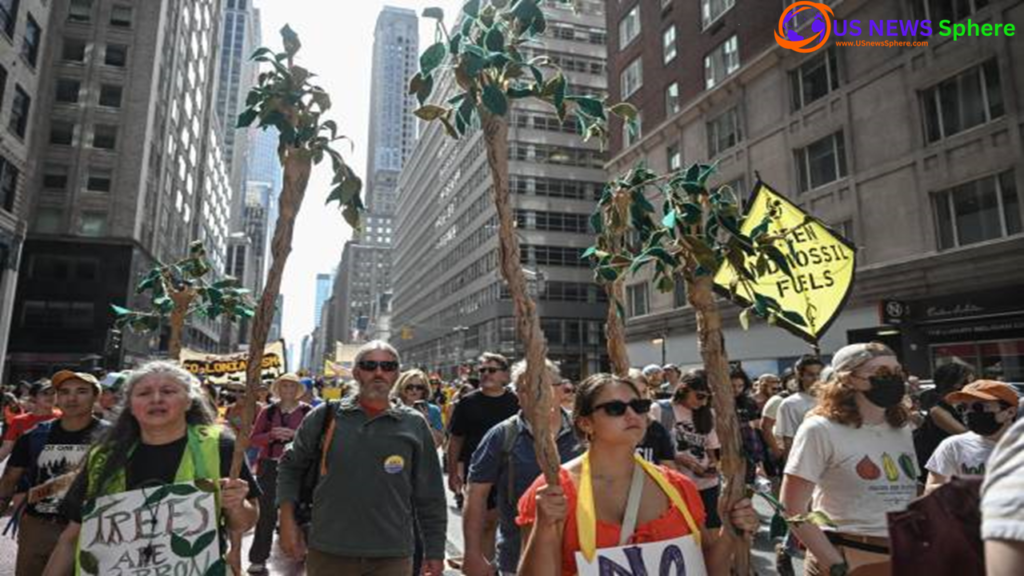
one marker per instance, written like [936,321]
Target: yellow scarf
[586,513]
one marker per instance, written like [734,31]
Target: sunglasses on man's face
[489,370]
[372,365]
[617,408]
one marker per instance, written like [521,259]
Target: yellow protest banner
[229,369]
[821,266]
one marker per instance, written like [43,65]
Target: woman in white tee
[853,459]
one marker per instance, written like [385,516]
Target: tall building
[240,35]
[323,292]
[912,152]
[130,172]
[450,302]
[391,140]
[21,54]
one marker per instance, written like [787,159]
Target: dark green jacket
[381,472]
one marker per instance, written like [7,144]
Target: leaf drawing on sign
[181,546]
[216,569]
[156,496]
[202,542]
[88,562]
[182,489]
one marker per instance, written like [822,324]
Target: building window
[99,180]
[8,184]
[121,16]
[80,11]
[674,157]
[116,55]
[845,229]
[637,300]
[48,220]
[30,43]
[632,132]
[981,210]
[8,16]
[67,90]
[722,61]
[110,95]
[679,293]
[711,10]
[629,27]
[73,50]
[939,10]
[814,79]
[668,44]
[672,99]
[738,188]
[821,162]
[55,178]
[104,136]
[964,101]
[92,224]
[62,132]
[632,78]
[723,132]
[19,112]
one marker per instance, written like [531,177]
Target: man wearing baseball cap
[42,395]
[989,409]
[46,459]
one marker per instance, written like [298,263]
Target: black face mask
[886,391]
[983,423]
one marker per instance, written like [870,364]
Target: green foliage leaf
[290,40]
[745,319]
[666,284]
[432,58]
[246,118]
[434,12]
[779,259]
[794,318]
[624,110]
[119,311]
[589,105]
[203,541]
[181,546]
[88,562]
[495,101]
[597,222]
[608,273]
[494,40]
[430,112]
[471,9]
[669,221]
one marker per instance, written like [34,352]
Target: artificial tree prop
[484,53]
[285,98]
[179,290]
[696,230]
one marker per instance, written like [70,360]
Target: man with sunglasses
[989,408]
[378,471]
[474,415]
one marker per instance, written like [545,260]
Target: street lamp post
[660,341]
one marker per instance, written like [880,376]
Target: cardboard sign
[167,530]
[679,557]
[229,369]
[821,263]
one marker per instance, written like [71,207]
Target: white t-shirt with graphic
[860,474]
[694,444]
[964,455]
[791,414]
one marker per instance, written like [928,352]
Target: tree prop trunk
[615,332]
[182,300]
[297,167]
[535,393]
[716,364]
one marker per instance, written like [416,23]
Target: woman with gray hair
[853,460]
[165,436]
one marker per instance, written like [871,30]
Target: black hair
[949,377]
[696,380]
[587,393]
[736,372]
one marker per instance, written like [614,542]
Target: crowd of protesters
[357,485]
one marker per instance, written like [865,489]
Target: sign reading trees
[807,274]
[168,530]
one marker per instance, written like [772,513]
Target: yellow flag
[821,264]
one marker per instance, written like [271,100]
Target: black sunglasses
[372,365]
[617,408]
[489,370]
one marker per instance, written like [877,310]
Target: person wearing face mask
[989,409]
[853,459]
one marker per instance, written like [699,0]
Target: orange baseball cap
[66,375]
[986,391]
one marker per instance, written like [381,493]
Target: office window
[711,10]
[672,106]
[104,136]
[632,78]
[668,44]
[980,210]
[73,50]
[110,95]
[722,61]
[62,132]
[8,16]
[8,184]
[30,43]
[629,27]
[92,224]
[55,178]
[121,16]
[48,220]
[814,78]
[723,132]
[674,157]
[964,101]
[99,180]
[67,90]
[80,10]
[116,55]
[637,300]
[821,162]
[19,112]
[633,131]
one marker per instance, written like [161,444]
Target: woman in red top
[566,519]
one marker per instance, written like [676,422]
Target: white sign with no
[679,557]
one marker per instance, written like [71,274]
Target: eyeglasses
[372,365]
[489,370]
[617,408]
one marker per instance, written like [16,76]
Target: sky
[337,45]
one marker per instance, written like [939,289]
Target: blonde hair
[403,382]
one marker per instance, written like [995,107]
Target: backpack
[940,533]
[510,430]
[317,468]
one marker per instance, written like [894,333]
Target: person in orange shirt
[43,398]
